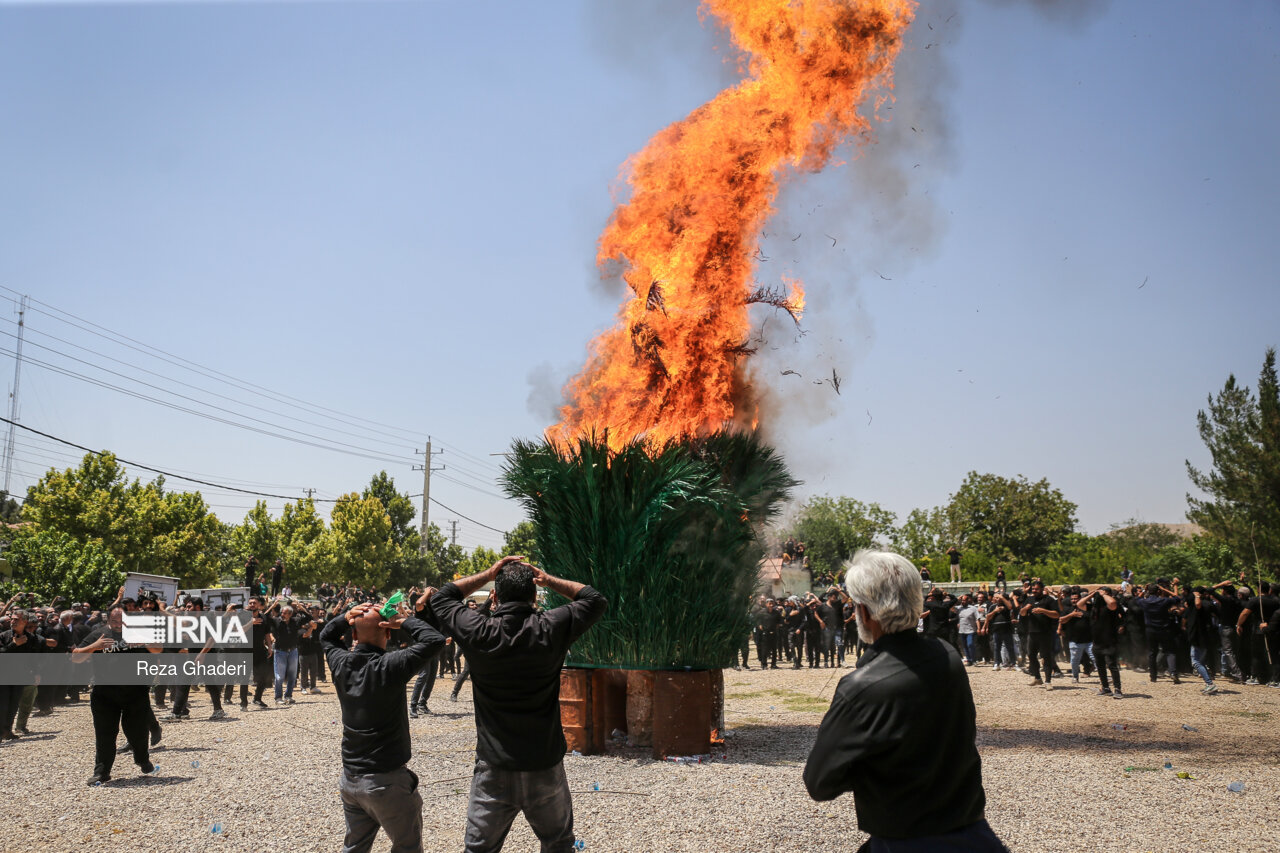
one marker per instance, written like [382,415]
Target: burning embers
[700,192]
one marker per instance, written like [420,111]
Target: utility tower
[453,532]
[13,394]
[426,470]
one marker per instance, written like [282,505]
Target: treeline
[80,529]
[1031,527]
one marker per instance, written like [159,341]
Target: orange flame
[700,191]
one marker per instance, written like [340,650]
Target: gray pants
[497,796]
[390,800]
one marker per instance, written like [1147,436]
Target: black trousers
[263,677]
[307,670]
[462,676]
[813,647]
[766,649]
[114,709]
[426,681]
[1157,644]
[10,695]
[1107,659]
[1040,648]
[1266,657]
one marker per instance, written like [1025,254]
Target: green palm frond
[669,533]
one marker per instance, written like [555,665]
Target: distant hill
[1185,530]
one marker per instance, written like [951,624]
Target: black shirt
[998,618]
[1104,624]
[516,656]
[900,734]
[1038,623]
[1227,608]
[1077,628]
[937,616]
[1156,613]
[370,682]
[1261,609]
[287,632]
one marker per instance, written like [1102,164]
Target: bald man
[377,789]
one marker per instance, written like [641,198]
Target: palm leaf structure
[668,532]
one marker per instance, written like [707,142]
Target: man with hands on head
[516,655]
[377,788]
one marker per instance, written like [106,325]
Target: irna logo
[184,629]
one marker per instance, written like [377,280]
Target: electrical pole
[426,470]
[13,395]
[309,492]
[453,534]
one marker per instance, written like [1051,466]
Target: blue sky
[390,210]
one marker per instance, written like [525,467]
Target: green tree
[521,539]
[257,536]
[148,528]
[1011,520]
[922,534]
[10,509]
[399,508]
[832,529]
[51,563]
[1242,432]
[358,544]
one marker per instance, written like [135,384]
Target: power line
[460,515]
[107,385]
[160,471]
[224,487]
[178,361]
[180,382]
[126,377]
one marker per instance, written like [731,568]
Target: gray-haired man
[900,733]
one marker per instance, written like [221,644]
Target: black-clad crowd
[286,650]
[1224,631]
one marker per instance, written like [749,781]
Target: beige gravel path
[1054,768]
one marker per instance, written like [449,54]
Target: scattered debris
[829,237]
[1144,282]
[654,301]
[835,380]
[1236,787]
[775,297]
[791,373]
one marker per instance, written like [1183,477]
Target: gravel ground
[1054,769]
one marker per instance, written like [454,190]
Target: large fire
[700,192]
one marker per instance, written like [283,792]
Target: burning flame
[700,192]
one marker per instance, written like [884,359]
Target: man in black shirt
[767,621]
[250,572]
[1105,625]
[286,632]
[999,626]
[901,730]
[20,638]
[516,656]
[277,576]
[116,706]
[1160,610]
[1041,616]
[377,789]
[795,619]
[1266,647]
[1226,607]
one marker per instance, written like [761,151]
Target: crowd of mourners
[1224,631]
[286,655]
